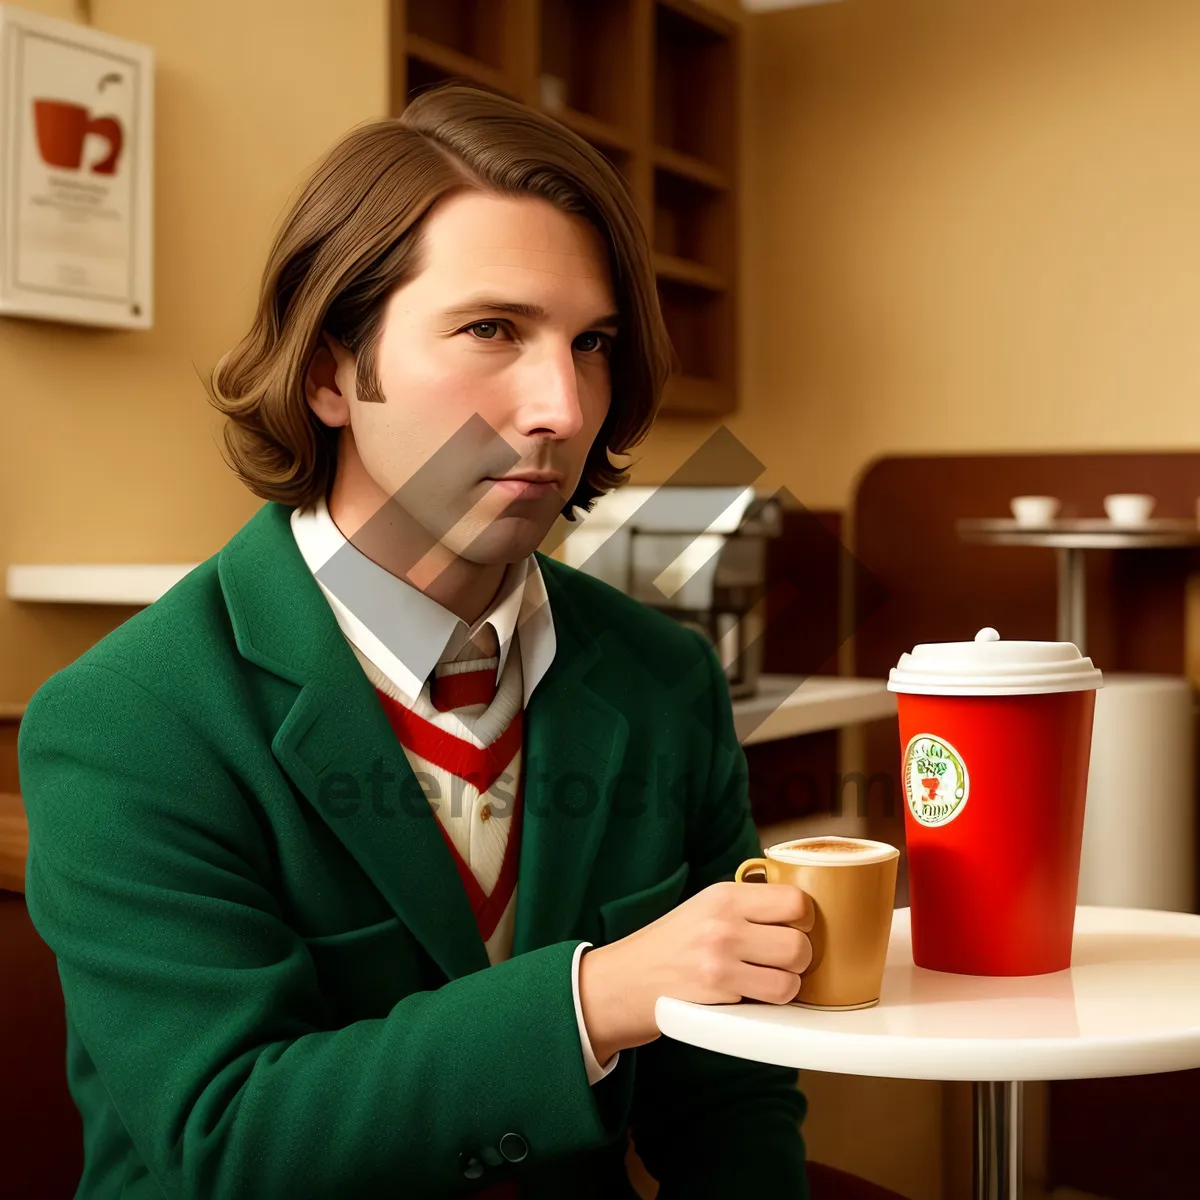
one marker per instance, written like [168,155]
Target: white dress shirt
[403,633]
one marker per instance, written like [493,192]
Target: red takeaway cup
[995,738]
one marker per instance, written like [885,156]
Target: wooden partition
[1120,1138]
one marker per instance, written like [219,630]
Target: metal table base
[999,1139]
[1072,596]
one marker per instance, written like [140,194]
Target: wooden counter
[14,834]
[14,842]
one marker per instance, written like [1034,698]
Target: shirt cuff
[595,1072]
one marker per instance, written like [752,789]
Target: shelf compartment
[430,64]
[682,270]
[694,102]
[599,133]
[692,222]
[620,159]
[685,166]
[698,324]
[604,138]
[580,43]
[700,14]
[470,29]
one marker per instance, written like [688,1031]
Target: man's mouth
[528,485]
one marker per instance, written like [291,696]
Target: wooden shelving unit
[653,85]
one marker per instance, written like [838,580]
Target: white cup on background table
[1034,511]
[1128,508]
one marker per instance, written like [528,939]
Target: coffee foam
[817,851]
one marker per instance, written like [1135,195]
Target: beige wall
[969,226]
[109,450]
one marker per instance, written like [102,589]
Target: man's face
[493,362]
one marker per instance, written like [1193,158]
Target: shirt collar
[403,631]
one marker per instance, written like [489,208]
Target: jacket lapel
[336,744]
[574,744]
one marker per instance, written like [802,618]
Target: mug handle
[751,864]
[109,128]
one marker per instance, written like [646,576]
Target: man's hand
[730,941]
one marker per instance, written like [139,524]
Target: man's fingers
[780,946]
[766,984]
[777,904]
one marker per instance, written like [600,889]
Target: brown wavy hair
[352,236]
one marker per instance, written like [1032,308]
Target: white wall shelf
[789,705]
[140,583]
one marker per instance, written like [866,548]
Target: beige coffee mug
[852,883]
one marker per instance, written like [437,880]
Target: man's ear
[329,381]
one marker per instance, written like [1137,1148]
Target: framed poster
[76,168]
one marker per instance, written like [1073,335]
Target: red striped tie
[476,685]
[463,688]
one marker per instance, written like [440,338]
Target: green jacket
[275,991]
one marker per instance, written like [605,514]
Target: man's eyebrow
[534,312]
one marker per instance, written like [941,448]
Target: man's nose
[549,402]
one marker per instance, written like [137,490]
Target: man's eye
[485,329]
[589,343]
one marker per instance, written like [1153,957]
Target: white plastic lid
[989,666]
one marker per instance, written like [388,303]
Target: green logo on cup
[936,783]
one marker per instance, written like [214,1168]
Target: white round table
[1128,1005]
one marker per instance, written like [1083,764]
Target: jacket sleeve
[148,876]
[709,1126]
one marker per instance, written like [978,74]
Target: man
[366,851]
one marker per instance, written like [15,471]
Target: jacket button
[491,1156]
[514,1147]
[472,1168]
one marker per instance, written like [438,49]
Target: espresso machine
[697,554]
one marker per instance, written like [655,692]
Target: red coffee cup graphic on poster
[995,742]
[62,132]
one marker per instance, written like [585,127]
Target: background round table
[1071,539]
[1129,1005]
